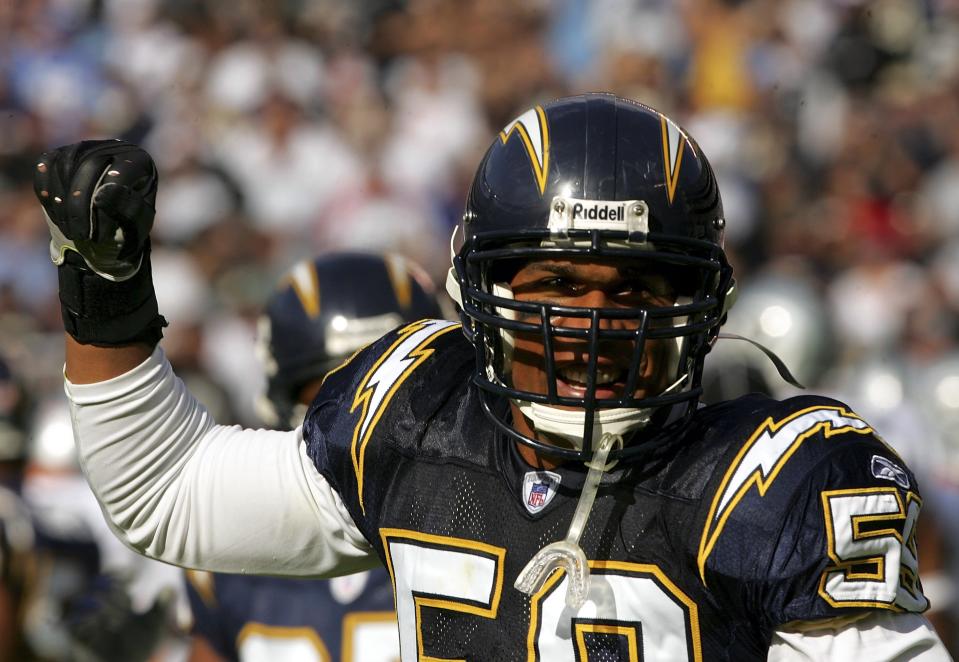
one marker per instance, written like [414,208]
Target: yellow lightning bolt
[380,384]
[763,456]
[534,132]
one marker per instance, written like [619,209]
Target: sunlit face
[584,283]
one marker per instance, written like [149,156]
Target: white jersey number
[258,642]
[631,607]
[367,637]
[635,603]
[871,540]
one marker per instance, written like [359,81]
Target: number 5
[870,538]
[632,608]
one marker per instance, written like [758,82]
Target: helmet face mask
[614,209]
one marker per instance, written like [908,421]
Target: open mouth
[572,381]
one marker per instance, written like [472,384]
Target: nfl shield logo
[537,495]
[539,488]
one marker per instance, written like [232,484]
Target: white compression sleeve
[882,636]
[177,487]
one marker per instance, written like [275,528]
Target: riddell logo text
[599,213]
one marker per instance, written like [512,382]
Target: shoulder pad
[388,391]
[794,505]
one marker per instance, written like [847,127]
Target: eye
[646,290]
[633,287]
[558,284]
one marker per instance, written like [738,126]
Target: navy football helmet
[325,310]
[593,177]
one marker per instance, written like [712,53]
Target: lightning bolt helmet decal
[534,131]
[303,279]
[674,142]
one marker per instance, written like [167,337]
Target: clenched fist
[98,197]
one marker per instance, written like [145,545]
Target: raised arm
[173,484]
[88,363]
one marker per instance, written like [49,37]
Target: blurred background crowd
[288,128]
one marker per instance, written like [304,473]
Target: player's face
[590,284]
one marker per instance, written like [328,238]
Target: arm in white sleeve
[177,487]
[881,636]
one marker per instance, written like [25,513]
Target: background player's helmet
[934,387]
[782,311]
[324,310]
[594,176]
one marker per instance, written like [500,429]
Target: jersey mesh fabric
[436,470]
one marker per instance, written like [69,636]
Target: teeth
[580,375]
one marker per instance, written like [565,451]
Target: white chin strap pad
[569,423]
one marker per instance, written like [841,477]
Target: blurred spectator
[287,165]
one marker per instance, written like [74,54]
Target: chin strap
[566,553]
[771,355]
[569,424]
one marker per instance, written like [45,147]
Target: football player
[539,481]
[324,310]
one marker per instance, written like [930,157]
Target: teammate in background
[540,482]
[780,310]
[325,310]
[92,597]
[16,529]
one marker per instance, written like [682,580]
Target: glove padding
[98,197]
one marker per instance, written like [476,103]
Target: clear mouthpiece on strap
[566,553]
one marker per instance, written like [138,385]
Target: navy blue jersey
[757,513]
[346,619]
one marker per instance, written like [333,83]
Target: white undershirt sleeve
[177,487]
[882,636]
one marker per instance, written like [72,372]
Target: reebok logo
[886,469]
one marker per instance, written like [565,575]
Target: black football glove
[98,197]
